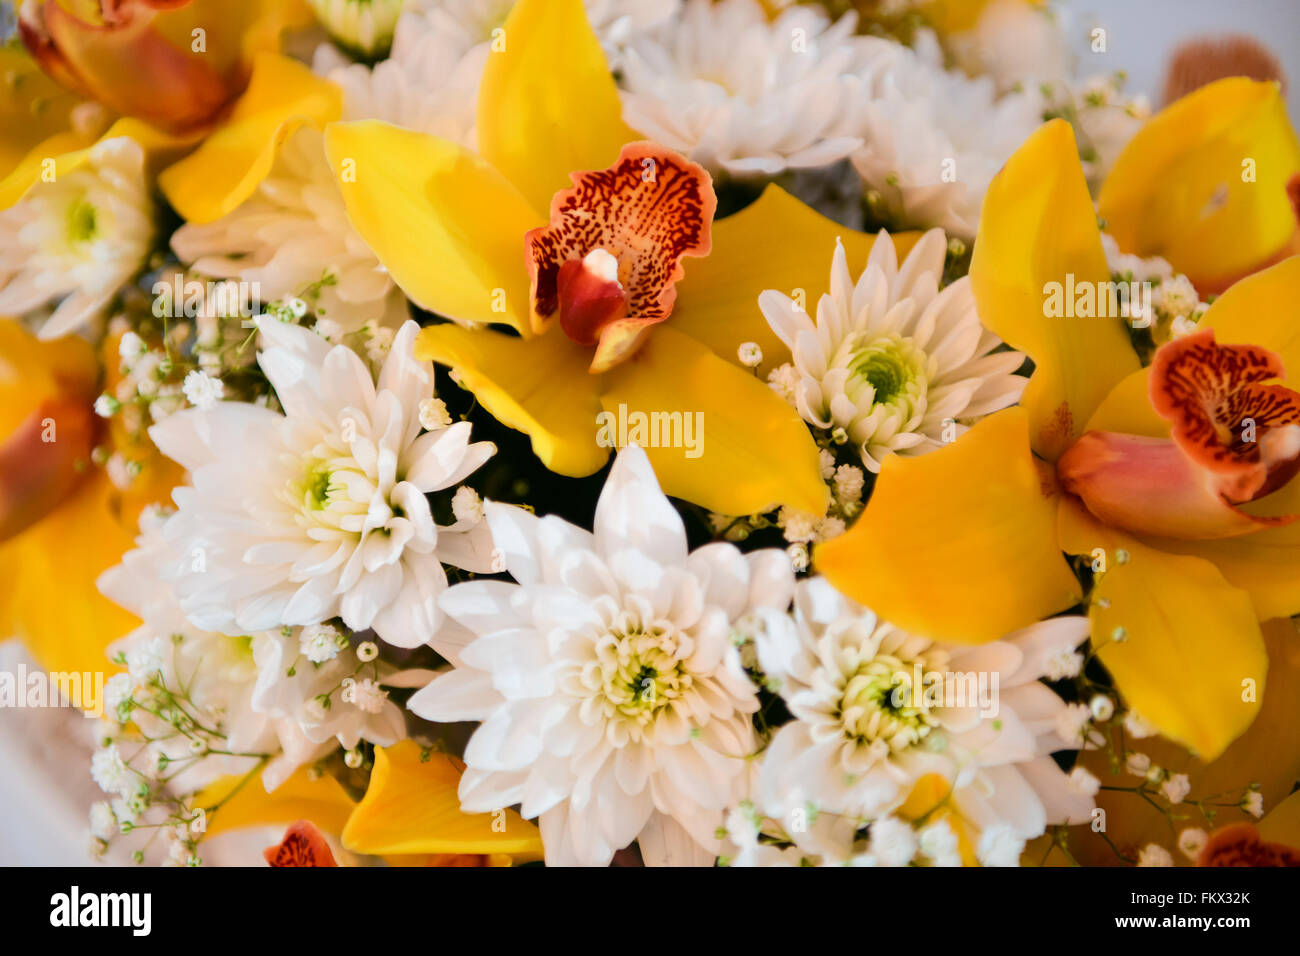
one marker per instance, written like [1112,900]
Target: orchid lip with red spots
[608,261]
[303,845]
[1234,439]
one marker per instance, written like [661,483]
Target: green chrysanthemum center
[316,487]
[638,671]
[882,701]
[82,221]
[891,365]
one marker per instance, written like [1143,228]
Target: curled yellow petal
[548,105]
[539,386]
[50,599]
[1203,184]
[1037,228]
[958,545]
[245,803]
[223,172]
[448,227]
[716,435]
[411,807]
[1182,643]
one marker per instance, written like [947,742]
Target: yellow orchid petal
[1265,564]
[958,545]
[448,227]
[1191,647]
[322,801]
[1203,183]
[282,95]
[736,447]
[64,152]
[32,109]
[411,806]
[51,601]
[539,386]
[717,301]
[548,105]
[1267,753]
[33,371]
[1128,410]
[1038,227]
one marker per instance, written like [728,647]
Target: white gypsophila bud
[433,414]
[467,506]
[1155,855]
[750,355]
[320,642]
[202,390]
[1192,841]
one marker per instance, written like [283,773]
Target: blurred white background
[1141,34]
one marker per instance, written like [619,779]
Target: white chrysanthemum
[320,512]
[318,705]
[892,360]
[1016,43]
[289,234]
[613,702]
[429,82]
[364,25]
[876,709]
[175,666]
[740,93]
[933,140]
[78,239]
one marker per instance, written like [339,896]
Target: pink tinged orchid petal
[1233,439]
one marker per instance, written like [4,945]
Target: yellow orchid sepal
[224,171]
[1203,184]
[411,807]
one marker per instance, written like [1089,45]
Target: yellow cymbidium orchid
[1104,459]
[175,64]
[227,167]
[62,522]
[451,226]
[1204,184]
[411,812]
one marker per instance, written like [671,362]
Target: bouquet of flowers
[662,432]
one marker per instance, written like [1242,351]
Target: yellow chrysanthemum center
[637,670]
[882,702]
[890,365]
[82,221]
